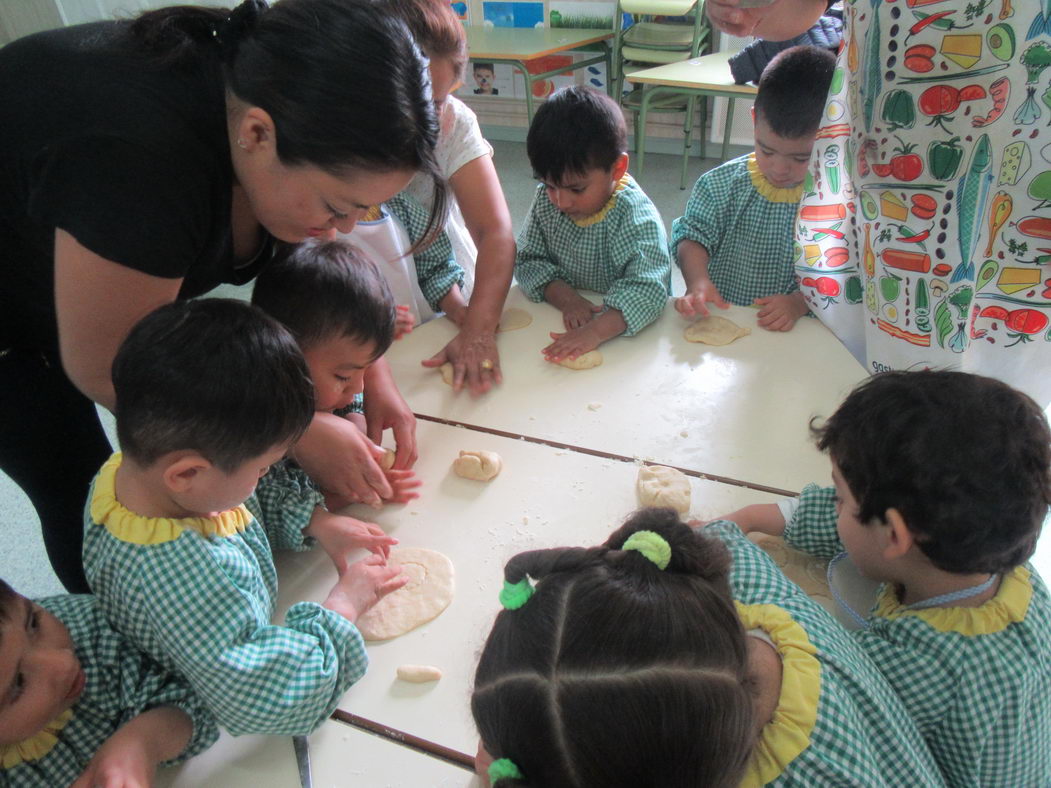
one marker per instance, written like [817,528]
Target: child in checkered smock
[631,665]
[734,243]
[590,227]
[942,484]
[211,393]
[85,702]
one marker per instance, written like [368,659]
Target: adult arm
[98,302]
[481,200]
[779,21]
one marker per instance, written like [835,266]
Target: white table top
[744,407]
[544,497]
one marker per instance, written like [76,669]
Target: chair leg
[640,130]
[728,127]
[705,102]
[687,131]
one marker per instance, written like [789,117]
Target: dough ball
[447,373]
[659,485]
[428,592]
[514,319]
[587,360]
[387,460]
[478,465]
[418,674]
[715,330]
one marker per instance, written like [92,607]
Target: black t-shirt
[129,157]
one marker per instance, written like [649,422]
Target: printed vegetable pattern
[924,233]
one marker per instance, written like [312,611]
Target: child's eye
[342,379]
[34,620]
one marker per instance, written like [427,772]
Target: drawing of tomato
[827,286]
[903,166]
[994,313]
[1024,323]
[939,102]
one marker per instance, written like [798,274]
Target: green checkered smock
[860,733]
[747,225]
[621,251]
[120,683]
[436,267]
[198,594]
[976,680]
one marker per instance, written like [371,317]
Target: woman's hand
[385,408]
[475,360]
[339,457]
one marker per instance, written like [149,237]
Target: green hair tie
[514,595]
[504,769]
[652,545]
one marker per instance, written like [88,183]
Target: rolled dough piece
[418,674]
[588,360]
[387,460]
[447,373]
[715,330]
[428,592]
[514,319]
[658,485]
[806,571]
[478,465]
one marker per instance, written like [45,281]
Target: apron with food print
[924,232]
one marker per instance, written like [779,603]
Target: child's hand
[404,322]
[129,758]
[579,313]
[364,584]
[339,534]
[780,312]
[573,343]
[694,303]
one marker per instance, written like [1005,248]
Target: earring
[241,143]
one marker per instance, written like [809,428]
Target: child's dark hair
[342,80]
[965,459]
[793,89]
[617,673]
[576,130]
[322,291]
[213,375]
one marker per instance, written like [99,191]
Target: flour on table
[658,485]
[418,674]
[481,466]
[429,591]
[514,319]
[588,360]
[715,330]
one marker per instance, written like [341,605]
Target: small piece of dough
[447,373]
[715,330]
[659,485]
[588,360]
[514,319]
[387,460]
[418,674]
[478,465]
[428,592]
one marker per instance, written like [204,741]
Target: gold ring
[487,363]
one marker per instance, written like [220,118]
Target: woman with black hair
[148,160]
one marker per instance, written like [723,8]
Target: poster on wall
[462,11]
[513,14]
[489,79]
[574,13]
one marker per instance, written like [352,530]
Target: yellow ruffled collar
[598,216]
[36,746]
[373,214]
[130,527]
[788,733]
[1007,607]
[767,189]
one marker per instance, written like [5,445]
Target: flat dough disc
[715,330]
[658,485]
[514,319]
[429,591]
[588,360]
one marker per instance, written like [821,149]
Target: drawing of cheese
[1014,280]
[893,207]
[964,49]
[1016,163]
[811,253]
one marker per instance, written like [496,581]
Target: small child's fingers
[390,585]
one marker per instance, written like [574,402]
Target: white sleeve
[461,139]
[788,507]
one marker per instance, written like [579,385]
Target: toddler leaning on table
[941,487]
[81,702]
[340,310]
[590,226]
[667,658]
[734,242]
[177,547]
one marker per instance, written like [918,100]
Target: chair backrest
[653,38]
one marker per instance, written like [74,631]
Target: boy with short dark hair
[942,482]
[590,226]
[734,242]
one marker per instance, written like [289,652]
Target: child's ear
[898,538]
[620,166]
[180,475]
